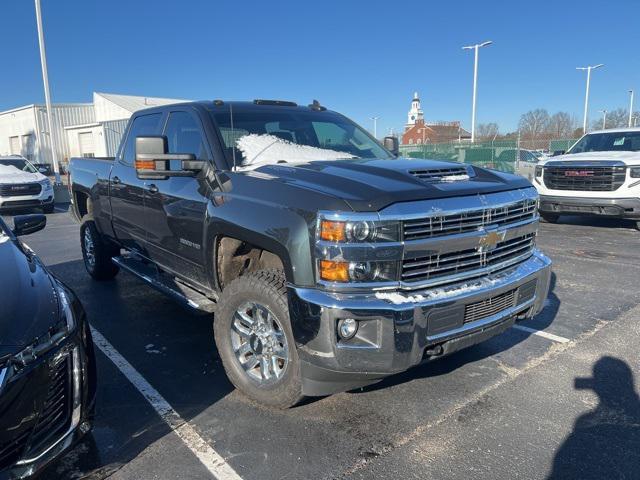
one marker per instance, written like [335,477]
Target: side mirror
[558,152]
[153,161]
[393,145]
[28,224]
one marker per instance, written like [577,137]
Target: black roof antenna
[317,107]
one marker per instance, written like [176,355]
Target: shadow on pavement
[605,442]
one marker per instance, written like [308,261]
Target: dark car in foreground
[47,363]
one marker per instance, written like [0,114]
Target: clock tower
[415,114]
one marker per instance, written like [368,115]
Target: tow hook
[435,351]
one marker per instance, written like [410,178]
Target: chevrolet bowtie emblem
[491,240]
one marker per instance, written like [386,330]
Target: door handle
[153,188]
[115,180]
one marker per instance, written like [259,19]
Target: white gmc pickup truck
[598,175]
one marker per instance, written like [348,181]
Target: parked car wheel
[254,339]
[550,217]
[97,253]
[48,208]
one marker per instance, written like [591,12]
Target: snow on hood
[11,174]
[269,150]
[630,158]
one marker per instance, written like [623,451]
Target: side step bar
[166,284]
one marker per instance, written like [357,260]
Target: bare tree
[534,124]
[487,131]
[560,126]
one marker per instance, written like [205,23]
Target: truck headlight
[538,171]
[46,184]
[358,272]
[634,172]
[359,231]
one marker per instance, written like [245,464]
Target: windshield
[292,136]
[608,142]
[18,163]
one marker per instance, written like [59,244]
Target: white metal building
[80,129]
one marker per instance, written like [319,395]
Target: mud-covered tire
[549,217]
[97,253]
[267,289]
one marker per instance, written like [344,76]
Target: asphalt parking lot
[508,408]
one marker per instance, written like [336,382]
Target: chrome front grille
[584,177]
[469,221]
[490,306]
[450,264]
[20,189]
[56,413]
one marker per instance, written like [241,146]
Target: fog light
[347,328]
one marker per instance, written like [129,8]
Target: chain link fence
[505,156]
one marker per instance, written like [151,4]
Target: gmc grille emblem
[17,188]
[578,173]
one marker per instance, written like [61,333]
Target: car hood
[370,185]
[28,305]
[9,174]
[628,158]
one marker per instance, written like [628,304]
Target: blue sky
[362,58]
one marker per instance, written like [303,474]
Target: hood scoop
[438,175]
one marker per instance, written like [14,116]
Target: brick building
[417,132]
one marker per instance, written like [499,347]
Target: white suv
[23,186]
[599,175]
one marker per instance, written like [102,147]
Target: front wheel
[97,253]
[48,208]
[254,339]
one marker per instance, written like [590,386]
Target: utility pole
[47,95]
[475,48]
[604,118]
[630,107]
[586,96]
[375,126]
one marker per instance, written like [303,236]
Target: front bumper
[47,406]
[609,207]
[45,198]
[396,335]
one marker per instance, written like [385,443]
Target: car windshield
[292,136]
[608,142]
[18,163]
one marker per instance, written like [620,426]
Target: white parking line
[542,333]
[212,461]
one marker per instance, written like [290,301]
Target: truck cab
[327,261]
[598,176]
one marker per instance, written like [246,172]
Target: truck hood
[370,185]
[28,306]
[628,158]
[9,174]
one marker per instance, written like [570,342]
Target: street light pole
[586,96]
[375,126]
[630,107]
[47,95]
[604,118]
[475,48]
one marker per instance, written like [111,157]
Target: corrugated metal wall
[113,131]
[63,116]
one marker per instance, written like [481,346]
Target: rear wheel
[550,217]
[254,339]
[97,253]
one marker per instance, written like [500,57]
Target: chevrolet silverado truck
[599,175]
[327,262]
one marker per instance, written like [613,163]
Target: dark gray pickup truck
[327,261]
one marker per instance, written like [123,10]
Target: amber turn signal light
[334,271]
[332,231]
[145,165]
